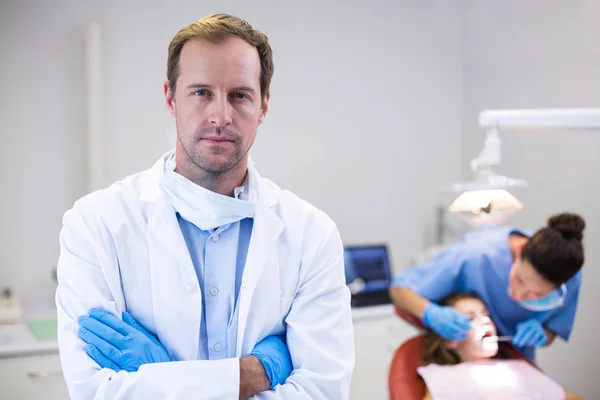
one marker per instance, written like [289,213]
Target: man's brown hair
[215,29]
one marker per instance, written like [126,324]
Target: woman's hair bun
[569,225]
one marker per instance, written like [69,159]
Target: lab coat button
[214,291]
[215,238]
[218,347]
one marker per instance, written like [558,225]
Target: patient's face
[476,346]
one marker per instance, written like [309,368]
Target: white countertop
[16,340]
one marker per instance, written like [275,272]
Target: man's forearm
[253,377]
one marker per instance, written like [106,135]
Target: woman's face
[476,346]
[524,283]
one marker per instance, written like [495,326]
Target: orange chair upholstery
[404,382]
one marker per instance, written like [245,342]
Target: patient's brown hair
[434,349]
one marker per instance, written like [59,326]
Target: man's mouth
[218,140]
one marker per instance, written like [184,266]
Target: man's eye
[200,92]
[240,96]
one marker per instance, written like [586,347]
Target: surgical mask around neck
[553,300]
[205,209]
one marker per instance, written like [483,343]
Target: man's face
[217,103]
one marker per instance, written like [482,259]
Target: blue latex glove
[122,344]
[103,361]
[446,322]
[530,333]
[273,352]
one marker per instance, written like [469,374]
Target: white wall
[536,54]
[42,131]
[365,118]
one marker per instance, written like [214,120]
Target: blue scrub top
[479,263]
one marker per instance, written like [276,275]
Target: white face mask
[205,209]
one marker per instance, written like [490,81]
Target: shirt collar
[241,192]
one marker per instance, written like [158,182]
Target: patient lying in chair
[474,368]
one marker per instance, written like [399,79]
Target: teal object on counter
[43,329]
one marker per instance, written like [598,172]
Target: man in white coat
[198,278]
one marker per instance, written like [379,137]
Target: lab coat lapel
[175,292]
[262,250]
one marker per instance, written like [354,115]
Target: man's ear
[451,344]
[169,98]
[264,109]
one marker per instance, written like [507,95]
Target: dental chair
[404,382]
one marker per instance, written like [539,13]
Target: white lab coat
[122,249]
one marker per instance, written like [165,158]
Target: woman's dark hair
[435,350]
[556,251]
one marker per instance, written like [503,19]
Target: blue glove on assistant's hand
[119,344]
[447,322]
[530,333]
[273,352]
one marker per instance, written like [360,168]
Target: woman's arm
[408,300]
[437,278]
[550,337]
[428,395]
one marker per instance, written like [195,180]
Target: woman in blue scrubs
[530,284]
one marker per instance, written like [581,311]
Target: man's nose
[220,112]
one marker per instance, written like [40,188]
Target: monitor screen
[367,268]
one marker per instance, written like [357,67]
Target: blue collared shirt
[219,257]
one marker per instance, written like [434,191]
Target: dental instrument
[493,338]
[501,338]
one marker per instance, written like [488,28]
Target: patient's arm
[572,396]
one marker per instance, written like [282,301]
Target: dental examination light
[485,200]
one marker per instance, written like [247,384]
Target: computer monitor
[368,274]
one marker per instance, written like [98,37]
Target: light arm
[494,121]
[577,118]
